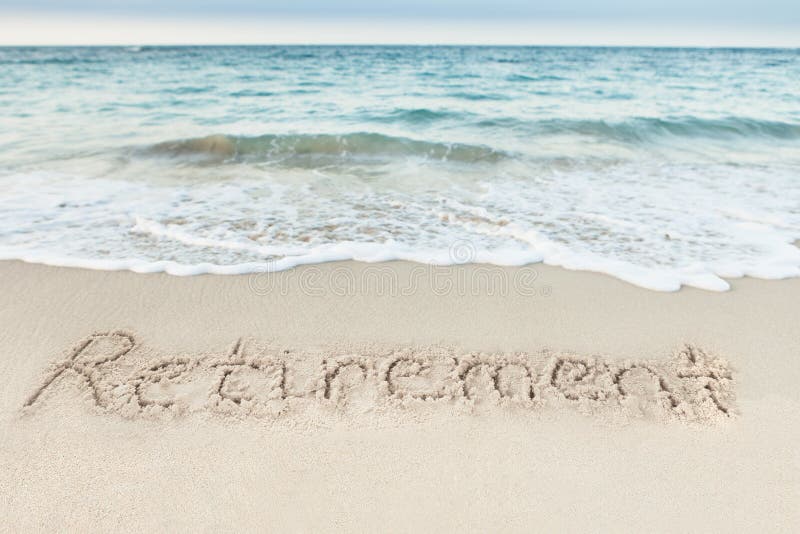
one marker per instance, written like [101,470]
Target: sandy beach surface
[395,397]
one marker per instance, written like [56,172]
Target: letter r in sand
[87,360]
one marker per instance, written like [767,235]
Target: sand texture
[399,400]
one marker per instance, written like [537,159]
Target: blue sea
[662,167]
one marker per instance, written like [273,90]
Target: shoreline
[489,456]
[462,254]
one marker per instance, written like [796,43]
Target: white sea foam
[264,225]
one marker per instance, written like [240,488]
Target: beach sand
[394,397]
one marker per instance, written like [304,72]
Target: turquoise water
[659,166]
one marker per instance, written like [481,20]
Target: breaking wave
[646,129]
[302,149]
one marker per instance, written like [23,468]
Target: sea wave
[639,130]
[647,128]
[301,149]
[304,150]
[416,116]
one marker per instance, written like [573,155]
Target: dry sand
[357,397]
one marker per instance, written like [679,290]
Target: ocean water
[663,167]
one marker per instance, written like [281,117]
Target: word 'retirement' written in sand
[119,375]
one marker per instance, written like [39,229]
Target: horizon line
[395,44]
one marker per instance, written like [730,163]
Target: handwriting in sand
[263,380]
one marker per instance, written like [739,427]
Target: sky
[551,22]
